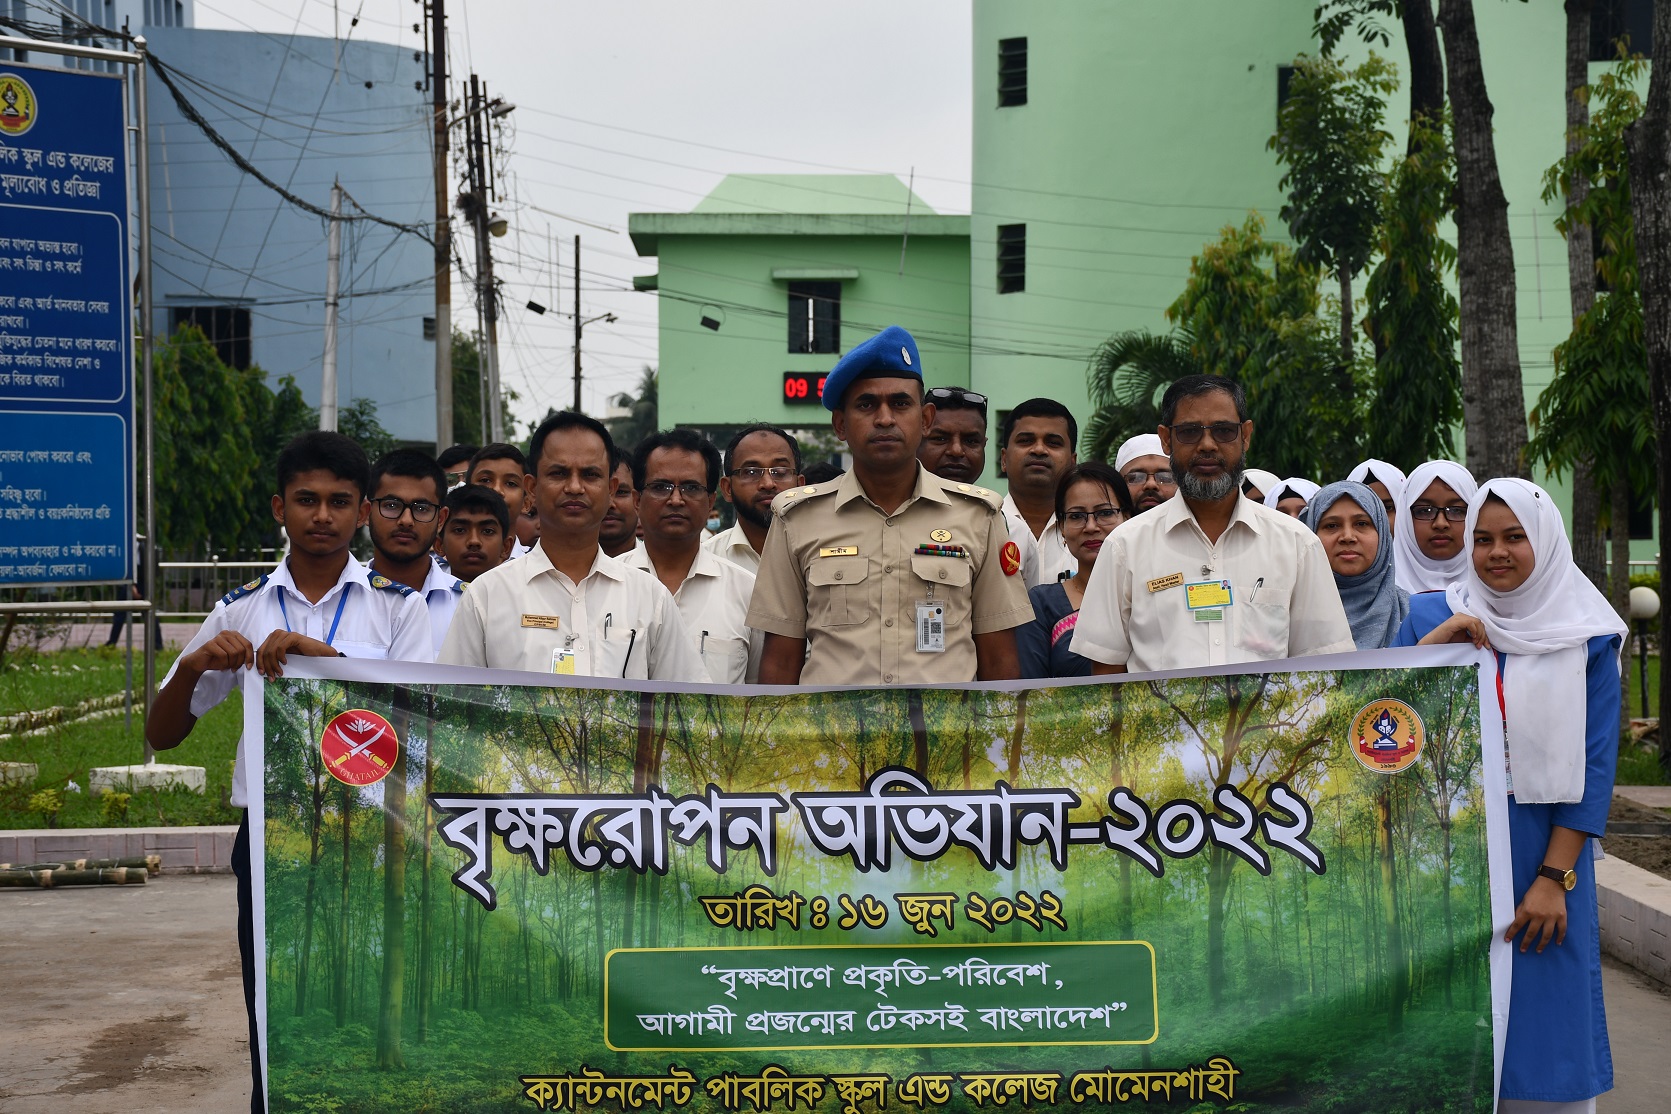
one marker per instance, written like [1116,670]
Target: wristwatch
[1567,878]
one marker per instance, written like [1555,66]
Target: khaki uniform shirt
[713,600]
[733,546]
[1284,603]
[840,573]
[617,622]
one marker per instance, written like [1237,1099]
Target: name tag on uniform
[931,627]
[839,551]
[1161,584]
[541,622]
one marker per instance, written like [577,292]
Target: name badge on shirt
[1206,595]
[542,622]
[1161,584]
[839,551]
[931,627]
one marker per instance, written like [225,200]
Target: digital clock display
[803,386]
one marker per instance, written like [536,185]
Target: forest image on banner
[1233,891]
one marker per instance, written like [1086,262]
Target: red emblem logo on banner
[359,747]
[1009,559]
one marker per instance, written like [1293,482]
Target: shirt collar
[438,580]
[1177,512]
[536,561]
[1010,510]
[706,564]
[928,486]
[351,572]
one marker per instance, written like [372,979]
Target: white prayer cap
[1144,444]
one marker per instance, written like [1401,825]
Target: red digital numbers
[803,386]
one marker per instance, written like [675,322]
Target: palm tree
[1128,374]
[641,418]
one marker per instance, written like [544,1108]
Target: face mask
[713,525]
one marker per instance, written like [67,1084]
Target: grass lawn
[65,753]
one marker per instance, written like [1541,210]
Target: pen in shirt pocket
[1257,584]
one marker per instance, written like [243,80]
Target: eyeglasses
[663,489]
[1189,434]
[422,511]
[1103,515]
[754,475]
[1137,477]
[1427,513]
[956,394]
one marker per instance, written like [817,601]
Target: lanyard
[337,618]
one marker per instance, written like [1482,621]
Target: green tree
[204,459]
[1129,372]
[1250,312]
[468,426]
[642,417]
[1412,315]
[1330,138]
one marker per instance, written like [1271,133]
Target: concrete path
[127,999]
[1651,796]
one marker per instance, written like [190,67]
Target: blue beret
[890,354]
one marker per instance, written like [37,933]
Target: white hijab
[1300,486]
[1543,626]
[1388,475]
[1261,479]
[1417,572]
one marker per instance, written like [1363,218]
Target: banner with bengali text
[1229,890]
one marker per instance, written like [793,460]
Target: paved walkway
[1651,796]
[127,999]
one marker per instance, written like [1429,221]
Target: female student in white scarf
[1432,547]
[1557,649]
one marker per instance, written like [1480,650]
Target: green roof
[879,194]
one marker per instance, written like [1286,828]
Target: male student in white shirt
[319,602]
[408,512]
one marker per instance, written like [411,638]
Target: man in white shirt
[676,473]
[319,602]
[1142,462]
[761,461]
[568,607]
[1209,578]
[1037,439]
[618,535]
[407,514]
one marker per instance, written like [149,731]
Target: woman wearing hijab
[1556,643]
[1431,551]
[1091,500]
[1257,481]
[1352,525]
[1291,495]
[1386,481]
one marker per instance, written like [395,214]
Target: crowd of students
[583,558]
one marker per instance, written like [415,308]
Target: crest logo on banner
[359,747]
[1387,736]
[17,105]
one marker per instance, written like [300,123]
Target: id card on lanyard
[335,619]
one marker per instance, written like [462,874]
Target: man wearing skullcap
[1148,473]
[887,575]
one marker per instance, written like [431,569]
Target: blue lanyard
[341,603]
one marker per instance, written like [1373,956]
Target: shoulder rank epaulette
[243,590]
[459,586]
[983,494]
[795,496]
[378,580]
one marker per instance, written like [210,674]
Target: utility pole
[577,323]
[333,265]
[486,223]
[437,11]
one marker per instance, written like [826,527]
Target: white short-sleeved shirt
[441,593]
[617,622]
[733,545]
[1284,601]
[1044,558]
[388,622]
[713,600]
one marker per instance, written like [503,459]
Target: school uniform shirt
[441,593]
[1281,600]
[364,615]
[1044,558]
[713,601]
[733,545]
[617,621]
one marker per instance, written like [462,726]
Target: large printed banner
[1227,891]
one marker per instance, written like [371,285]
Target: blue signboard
[66,329]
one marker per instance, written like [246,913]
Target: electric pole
[333,265]
[577,324]
[477,206]
[437,12]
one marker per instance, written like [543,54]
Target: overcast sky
[642,106]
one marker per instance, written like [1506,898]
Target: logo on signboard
[359,747]
[17,105]
[1387,736]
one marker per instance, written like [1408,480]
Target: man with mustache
[618,534]
[408,512]
[761,461]
[1142,462]
[1208,578]
[888,575]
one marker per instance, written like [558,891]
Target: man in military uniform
[888,574]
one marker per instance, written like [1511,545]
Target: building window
[1612,20]
[1012,258]
[1012,72]
[227,328]
[1284,82]
[815,317]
